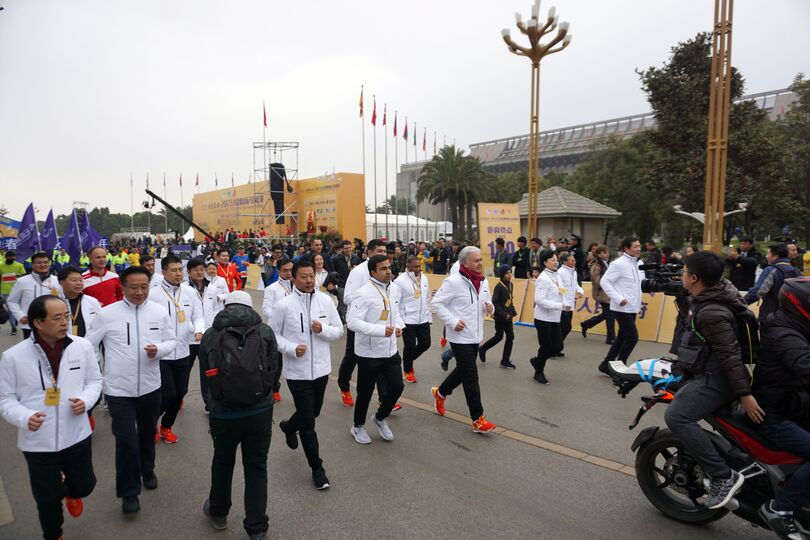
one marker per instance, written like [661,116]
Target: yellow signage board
[316,206]
[497,220]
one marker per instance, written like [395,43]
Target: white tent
[189,236]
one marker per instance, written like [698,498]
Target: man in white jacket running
[374,316]
[136,334]
[305,324]
[47,383]
[622,283]
[461,303]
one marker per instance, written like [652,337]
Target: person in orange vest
[228,270]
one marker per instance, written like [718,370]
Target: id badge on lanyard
[52,392]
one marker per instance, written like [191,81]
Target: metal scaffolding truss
[265,153]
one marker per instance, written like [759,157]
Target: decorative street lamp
[717,145]
[701,217]
[535,29]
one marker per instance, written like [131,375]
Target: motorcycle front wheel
[672,481]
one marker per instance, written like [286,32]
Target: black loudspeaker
[278,177]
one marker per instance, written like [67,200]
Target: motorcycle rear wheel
[667,476]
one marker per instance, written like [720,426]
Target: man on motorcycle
[710,352]
[782,386]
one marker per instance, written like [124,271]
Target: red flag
[395,124]
[264,113]
[434,143]
[197,181]
[374,113]
[385,114]
[181,179]
[361,102]
[424,141]
[405,133]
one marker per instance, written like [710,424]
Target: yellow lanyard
[509,290]
[176,302]
[386,299]
[417,286]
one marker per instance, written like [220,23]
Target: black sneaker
[540,378]
[508,365]
[291,438]
[603,368]
[608,342]
[150,480]
[220,523]
[482,355]
[558,355]
[584,330]
[319,478]
[258,536]
[14,331]
[130,505]
[533,362]
[446,357]
[721,491]
[780,522]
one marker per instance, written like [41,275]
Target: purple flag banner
[47,238]
[72,242]
[90,237]
[28,237]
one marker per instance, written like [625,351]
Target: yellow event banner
[326,204]
[497,220]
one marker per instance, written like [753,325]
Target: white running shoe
[361,435]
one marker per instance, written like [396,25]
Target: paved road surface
[557,469]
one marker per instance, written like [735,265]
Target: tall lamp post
[717,145]
[535,29]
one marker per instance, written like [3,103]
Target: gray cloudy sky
[91,90]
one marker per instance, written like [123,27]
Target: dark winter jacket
[742,272]
[503,300]
[768,285]
[238,316]
[782,375]
[716,322]
[521,263]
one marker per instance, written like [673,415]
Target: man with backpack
[782,386]
[771,279]
[238,357]
[710,351]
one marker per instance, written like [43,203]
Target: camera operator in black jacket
[782,387]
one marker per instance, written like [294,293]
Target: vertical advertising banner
[497,220]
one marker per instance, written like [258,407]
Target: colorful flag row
[385,122]
[78,237]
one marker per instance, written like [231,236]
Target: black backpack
[694,356]
[244,373]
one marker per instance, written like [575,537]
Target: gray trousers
[699,398]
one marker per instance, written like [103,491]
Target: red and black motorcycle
[671,479]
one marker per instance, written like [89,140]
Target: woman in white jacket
[305,324]
[47,382]
[549,303]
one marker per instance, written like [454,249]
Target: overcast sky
[93,90]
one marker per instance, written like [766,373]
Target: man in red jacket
[99,282]
[228,270]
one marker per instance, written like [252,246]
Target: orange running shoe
[438,401]
[276,396]
[347,398]
[167,435]
[443,342]
[410,376]
[75,507]
[92,422]
[482,425]
[397,407]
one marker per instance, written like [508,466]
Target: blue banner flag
[72,242]
[90,237]
[28,236]
[47,238]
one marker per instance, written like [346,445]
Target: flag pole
[396,167]
[148,212]
[408,204]
[416,177]
[385,140]
[374,138]
[132,203]
[363,144]
[445,203]
[165,210]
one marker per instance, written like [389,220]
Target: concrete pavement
[437,479]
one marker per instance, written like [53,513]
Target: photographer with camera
[771,279]
[622,283]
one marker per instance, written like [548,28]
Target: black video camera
[663,278]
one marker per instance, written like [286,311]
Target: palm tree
[458,180]
[397,205]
